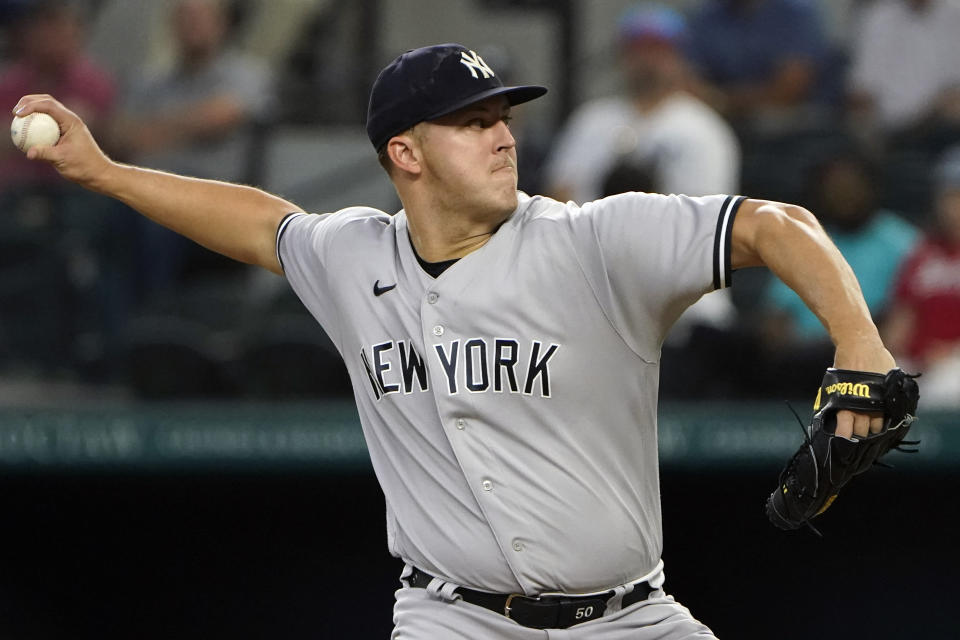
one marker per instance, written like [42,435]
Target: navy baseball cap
[426,83]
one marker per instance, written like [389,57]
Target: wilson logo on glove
[850,389]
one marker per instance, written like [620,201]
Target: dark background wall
[304,556]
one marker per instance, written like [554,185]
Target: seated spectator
[48,41]
[194,119]
[923,327]
[758,59]
[55,240]
[654,137]
[873,241]
[655,125]
[905,77]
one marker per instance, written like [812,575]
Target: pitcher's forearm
[809,263]
[237,221]
[792,244]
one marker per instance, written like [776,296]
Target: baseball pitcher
[504,351]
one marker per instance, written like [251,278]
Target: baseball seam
[24,132]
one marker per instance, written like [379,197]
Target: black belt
[542,612]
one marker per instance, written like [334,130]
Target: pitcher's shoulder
[538,207]
[358,219]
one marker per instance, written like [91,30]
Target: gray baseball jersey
[509,405]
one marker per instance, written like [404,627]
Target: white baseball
[34,129]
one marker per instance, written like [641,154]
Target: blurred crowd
[856,118]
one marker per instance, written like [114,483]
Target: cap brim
[514,95]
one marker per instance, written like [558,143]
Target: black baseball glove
[826,462]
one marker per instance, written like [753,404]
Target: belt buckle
[506,605]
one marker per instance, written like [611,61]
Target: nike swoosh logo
[379,291]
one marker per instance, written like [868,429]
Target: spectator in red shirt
[923,328]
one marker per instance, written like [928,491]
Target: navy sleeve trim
[722,273]
[281,228]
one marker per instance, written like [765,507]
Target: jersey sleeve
[303,242]
[650,256]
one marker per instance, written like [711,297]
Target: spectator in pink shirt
[48,42]
[58,243]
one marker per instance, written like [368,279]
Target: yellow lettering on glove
[848,389]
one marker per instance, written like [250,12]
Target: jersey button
[518,546]
[461,423]
[438,330]
[432,297]
[487,485]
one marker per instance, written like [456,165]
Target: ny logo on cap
[475,63]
